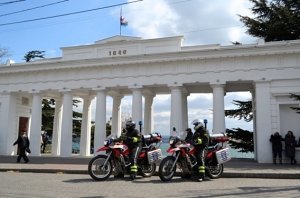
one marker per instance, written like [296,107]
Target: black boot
[119,175]
[132,176]
[200,177]
[133,171]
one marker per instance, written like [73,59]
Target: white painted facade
[120,66]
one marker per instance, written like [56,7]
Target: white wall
[289,120]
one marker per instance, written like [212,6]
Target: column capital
[65,90]
[185,91]
[114,93]
[135,87]
[148,92]
[217,84]
[261,83]
[34,91]
[87,97]
[99,88]
[5,92]
[176,88]
[175,84]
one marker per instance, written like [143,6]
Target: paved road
[236,168]
[18,184]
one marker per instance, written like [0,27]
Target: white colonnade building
[121,66]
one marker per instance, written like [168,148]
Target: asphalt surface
[236,168]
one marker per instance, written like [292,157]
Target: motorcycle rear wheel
[97,170]
[148,170]
[214,171]
[165,171]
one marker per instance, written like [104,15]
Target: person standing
[290,144]
[23,146]
[200,140]
[45,139]
[276,141]
[189,135]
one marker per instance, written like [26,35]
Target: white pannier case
[223,155]
[154,155]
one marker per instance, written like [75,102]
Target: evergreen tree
[48,108]
[239,138]
[243,112]
[47,115]
[274,20]
[3,53]
[29,56]
[296,97]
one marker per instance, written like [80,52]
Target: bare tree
[3,53]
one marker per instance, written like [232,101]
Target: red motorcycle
[183,157]
[116,160]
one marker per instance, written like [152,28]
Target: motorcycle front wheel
[97,170]
[147,170]
[165,171]
[214,171]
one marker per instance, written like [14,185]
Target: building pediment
[120,46]
[117,38]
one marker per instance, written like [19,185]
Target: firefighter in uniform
[133,140]
[201,140]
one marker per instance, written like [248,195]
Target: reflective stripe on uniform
[133,169]
[201,169]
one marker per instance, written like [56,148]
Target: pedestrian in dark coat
[45,139]
[290,144]
[189,135]
[23,147]
[276,141]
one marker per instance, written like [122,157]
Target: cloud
[200,21]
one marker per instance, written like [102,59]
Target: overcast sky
[199,21]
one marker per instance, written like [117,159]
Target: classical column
[56,135]
[176,109]
[137,106]
[254,122]
[185,123]
[263,122]
[218,108]
[100,119]
[116,115]
[85,137]
[35,125]
[67,125]
[8,124]
[148,117]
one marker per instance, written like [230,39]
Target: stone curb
[262,175]
[225,174]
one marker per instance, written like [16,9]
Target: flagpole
[120,21]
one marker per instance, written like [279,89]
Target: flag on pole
[123,21]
